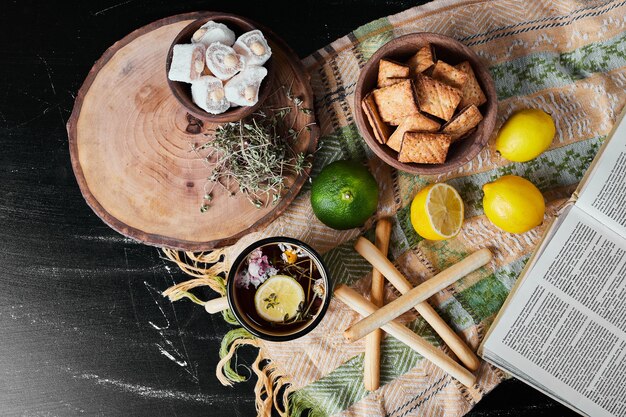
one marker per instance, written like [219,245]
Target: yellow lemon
[513,204]
[278,298]
[437,212]
[525,135]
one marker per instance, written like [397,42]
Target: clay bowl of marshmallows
[219,68]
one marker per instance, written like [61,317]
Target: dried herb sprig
[271,301]
[303,313]
[255,155]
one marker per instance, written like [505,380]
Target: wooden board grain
[132,150]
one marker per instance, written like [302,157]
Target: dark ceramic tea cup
[265,260]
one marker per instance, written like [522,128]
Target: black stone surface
[83,329]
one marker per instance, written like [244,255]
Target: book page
[565,328]
[604,193]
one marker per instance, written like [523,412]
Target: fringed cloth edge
[272,391]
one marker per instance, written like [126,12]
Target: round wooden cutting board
[131,145]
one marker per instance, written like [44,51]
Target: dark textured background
[83,329]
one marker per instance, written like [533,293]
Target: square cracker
[414,123]
[395,102]
[423,59]
[424,148]
[466,120]
[472,93]
[391,81]
[447,74]
[380,128]
[436,98]
[390,71]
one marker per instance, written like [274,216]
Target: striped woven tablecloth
[566,57]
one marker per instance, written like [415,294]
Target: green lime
[344,195]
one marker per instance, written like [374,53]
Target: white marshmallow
[243,88]
[254,47]
[223,61]
[208,93]
[212,32]
[187,62]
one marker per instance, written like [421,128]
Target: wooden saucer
[131,145]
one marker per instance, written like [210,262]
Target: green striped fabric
[567,57]
[551,78]
[536,72]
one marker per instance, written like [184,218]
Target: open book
[563,327]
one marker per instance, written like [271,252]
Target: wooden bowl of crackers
[425,104]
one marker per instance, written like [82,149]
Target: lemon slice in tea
[278,298]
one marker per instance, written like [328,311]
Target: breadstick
[415,296]
[371,373]
[456,344]
[216,305]
[359,304]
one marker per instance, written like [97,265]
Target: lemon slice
[437,212]
[278,298]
